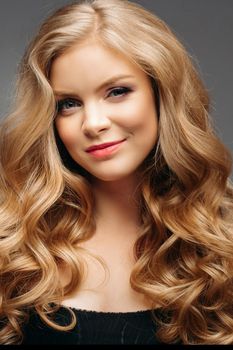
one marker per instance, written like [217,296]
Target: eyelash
[61,103]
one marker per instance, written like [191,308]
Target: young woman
[116,203]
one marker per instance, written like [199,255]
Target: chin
[109,178]
[116,176]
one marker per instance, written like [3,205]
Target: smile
[106,151]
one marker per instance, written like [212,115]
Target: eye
[67,105]
[119,91]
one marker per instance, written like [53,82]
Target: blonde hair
[184,254]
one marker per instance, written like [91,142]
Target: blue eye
[119,91]
[66,104]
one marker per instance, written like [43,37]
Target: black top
[93,328]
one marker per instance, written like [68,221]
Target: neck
[117,206]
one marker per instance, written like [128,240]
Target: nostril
[94,126]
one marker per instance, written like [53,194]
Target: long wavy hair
[184,255]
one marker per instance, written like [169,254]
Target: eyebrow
[110,81]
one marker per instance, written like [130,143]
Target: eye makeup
[70,103]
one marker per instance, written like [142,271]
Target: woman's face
[103,98]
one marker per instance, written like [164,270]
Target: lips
[103,145]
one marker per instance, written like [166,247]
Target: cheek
[140,116]
[139,113]
[66,131]
[146,125]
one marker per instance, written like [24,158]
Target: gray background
[205,27]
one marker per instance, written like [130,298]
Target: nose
[96,120]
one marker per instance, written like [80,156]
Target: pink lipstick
[104,149]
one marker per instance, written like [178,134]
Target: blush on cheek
[70,143]
[129,114]
[65,132]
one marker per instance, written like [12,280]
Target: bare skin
[113,241]
[94,115]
